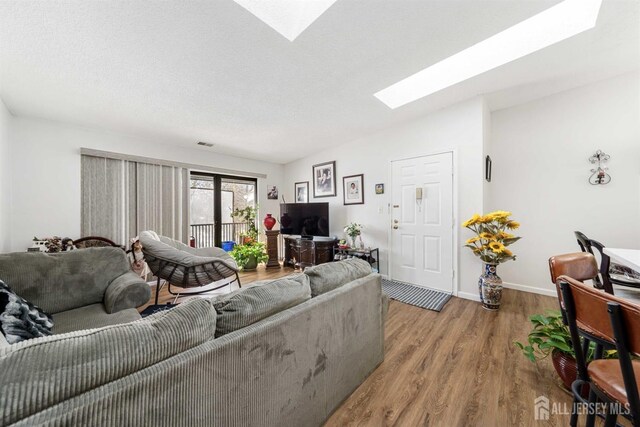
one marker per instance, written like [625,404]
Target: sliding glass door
[213,199]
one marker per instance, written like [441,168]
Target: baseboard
[531,289]
[469,296]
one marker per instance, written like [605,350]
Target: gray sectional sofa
[234,360]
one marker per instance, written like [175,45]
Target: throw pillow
[327,277]
[19,319]
[246,306]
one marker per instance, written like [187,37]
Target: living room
[145,82]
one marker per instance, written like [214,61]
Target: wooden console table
[324,249]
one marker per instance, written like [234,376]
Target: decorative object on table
[272,248]
[418,296]
[599,176]
[353,189]
[136,259]
[379,188]
[269,222]
[487,168]
[53,244]
[550,336]
[324,179]
[490,245]
[272,192]
[301,190]
[38,246]
[353,230]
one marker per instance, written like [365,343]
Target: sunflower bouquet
[492,238]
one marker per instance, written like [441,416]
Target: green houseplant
[251,252]
[249,255]
[550,336]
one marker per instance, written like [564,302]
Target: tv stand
[324,249]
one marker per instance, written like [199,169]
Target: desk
[626,257]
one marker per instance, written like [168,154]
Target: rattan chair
[186,267]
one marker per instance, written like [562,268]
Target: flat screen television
[305,219]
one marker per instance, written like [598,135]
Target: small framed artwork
[487,168]
[379,188]
[272,192]
[353,189]
[324,179]
[301,190]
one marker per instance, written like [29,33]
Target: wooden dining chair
[587,313]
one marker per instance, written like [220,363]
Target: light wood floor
[453,368]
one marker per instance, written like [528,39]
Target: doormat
[415,295]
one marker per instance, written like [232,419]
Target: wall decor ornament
[599,176]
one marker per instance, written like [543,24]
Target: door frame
[455,235]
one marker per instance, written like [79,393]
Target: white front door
[422,221]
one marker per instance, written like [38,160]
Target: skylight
[288,17]
[564,20]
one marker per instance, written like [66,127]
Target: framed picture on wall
[353,189]
[272,192]
[324,179]
[379,188]
[301,190]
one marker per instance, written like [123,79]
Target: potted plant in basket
[550,336]
[490,245]
[251,252]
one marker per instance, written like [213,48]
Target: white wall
[540,172]
[45,160]
[5,179]
[456,128]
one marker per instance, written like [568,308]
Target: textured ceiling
[185,71]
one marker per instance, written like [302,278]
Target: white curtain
[121,198]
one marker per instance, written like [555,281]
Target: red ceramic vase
[269,222]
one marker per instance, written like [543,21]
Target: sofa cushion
[90,317]
[250,305]
[58,367]
[19,319]
[63,281]
[327,277]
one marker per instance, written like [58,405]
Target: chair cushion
[607,377]
[91,316]
[55,368]
[327,277]
[19,319]
[250,305]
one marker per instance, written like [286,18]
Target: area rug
[415,295]
[153,309]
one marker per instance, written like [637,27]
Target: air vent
[205,144]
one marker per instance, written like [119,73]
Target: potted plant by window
[249,255]
[550,336]
[490,245]
[251,252]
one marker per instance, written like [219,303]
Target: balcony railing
[204,233]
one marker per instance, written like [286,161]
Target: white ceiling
[185,71]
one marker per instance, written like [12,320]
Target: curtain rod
[191,166]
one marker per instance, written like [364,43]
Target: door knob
[395,221]
[395,227]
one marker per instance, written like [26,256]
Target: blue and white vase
[490,287]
